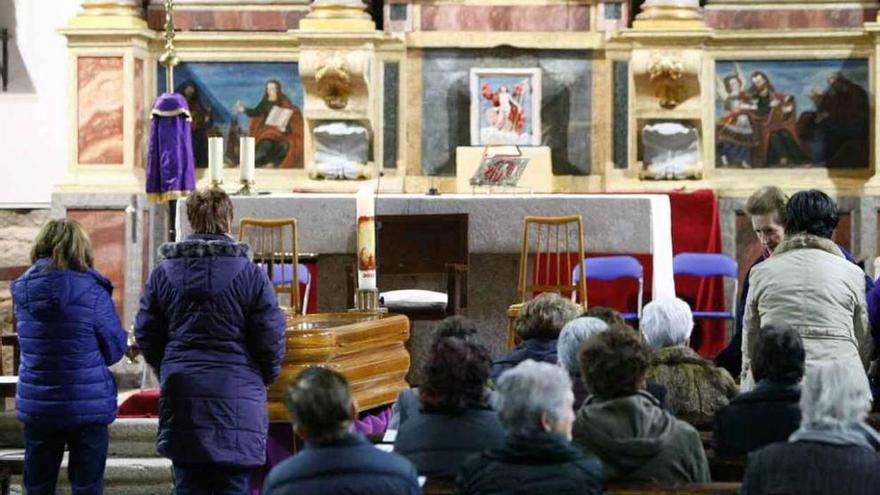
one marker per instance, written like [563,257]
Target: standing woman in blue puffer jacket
[69,334]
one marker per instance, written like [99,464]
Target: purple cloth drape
[170,170]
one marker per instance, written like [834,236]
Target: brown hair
[209,211]
[768,199]
[66,242]
[614,363]
[609,315]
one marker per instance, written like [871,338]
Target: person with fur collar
[210,326]
[695,388]
[808,284]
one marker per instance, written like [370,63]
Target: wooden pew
[715,488]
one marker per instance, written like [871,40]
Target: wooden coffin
[367,348]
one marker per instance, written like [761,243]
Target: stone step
[129,437]
[122,476]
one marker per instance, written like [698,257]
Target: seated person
[609,315]
[334,461]
[695,388]
[455,420]
[624,426]
[769,412]
[829,453]
[568,348]
[533,401]
[407,404]
[538,326]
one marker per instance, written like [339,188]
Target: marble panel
[259,19]
[389,115]
[451,17]
[106,228]
[620,79]
[793,18]
[99,110]
[140,118]
[566,107]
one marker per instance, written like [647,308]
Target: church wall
[34,129]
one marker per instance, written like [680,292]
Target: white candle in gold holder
[366,238]
[215,160]
[246,159]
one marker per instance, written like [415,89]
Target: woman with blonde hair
[69,334]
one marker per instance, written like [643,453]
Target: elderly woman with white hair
[833,451]
[568,348]
[695,387]
[533,401]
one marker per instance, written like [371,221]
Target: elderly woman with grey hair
[538,326]
[533,401]
[833,451]
[695,387]
[572,338]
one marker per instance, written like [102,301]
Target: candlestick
[366,238]
[215,160]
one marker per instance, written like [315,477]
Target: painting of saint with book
[262,100]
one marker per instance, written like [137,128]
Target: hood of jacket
[204,265]
[45,291]
[626,432]
[808,241]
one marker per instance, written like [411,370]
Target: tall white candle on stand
[246,158]
[366,238]
[215,159]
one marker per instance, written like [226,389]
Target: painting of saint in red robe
[277,126]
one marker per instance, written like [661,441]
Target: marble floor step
[129,437]
[123,476]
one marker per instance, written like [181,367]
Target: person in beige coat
[810,286]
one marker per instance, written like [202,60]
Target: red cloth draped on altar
[695,228]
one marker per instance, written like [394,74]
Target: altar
[613,224]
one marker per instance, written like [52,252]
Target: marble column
[110,14]
[670,14]
[337,15]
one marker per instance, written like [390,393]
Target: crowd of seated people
[584,403]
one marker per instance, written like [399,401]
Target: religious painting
[262,100]
[792,113]
[505,106]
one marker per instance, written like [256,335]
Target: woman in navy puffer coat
[69,335]
[210,325]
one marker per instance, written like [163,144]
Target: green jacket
[637,441]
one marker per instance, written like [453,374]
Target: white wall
[34,130]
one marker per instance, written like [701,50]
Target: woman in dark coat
[69,335]
[454,420]
[209,324]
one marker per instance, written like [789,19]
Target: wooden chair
[274,246]
[422,245]
[8,274]
[556,241]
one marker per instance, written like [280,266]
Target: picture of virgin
[792,113]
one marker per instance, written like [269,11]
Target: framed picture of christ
[792,113]
[262,100]
[505,106]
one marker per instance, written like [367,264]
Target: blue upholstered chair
[609,268]
[709,265]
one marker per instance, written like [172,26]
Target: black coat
[812,468]
[351,465]
[538,463]
[439,443]
[767,414]
[537,349]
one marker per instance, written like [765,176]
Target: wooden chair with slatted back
[274,246]
[556,245]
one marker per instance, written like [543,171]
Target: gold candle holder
[216,183]
[367,301]
[247,188]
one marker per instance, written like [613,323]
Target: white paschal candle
[246,159]
[215,158]
[366,238]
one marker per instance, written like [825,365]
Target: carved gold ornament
[666,72]
[334,83]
